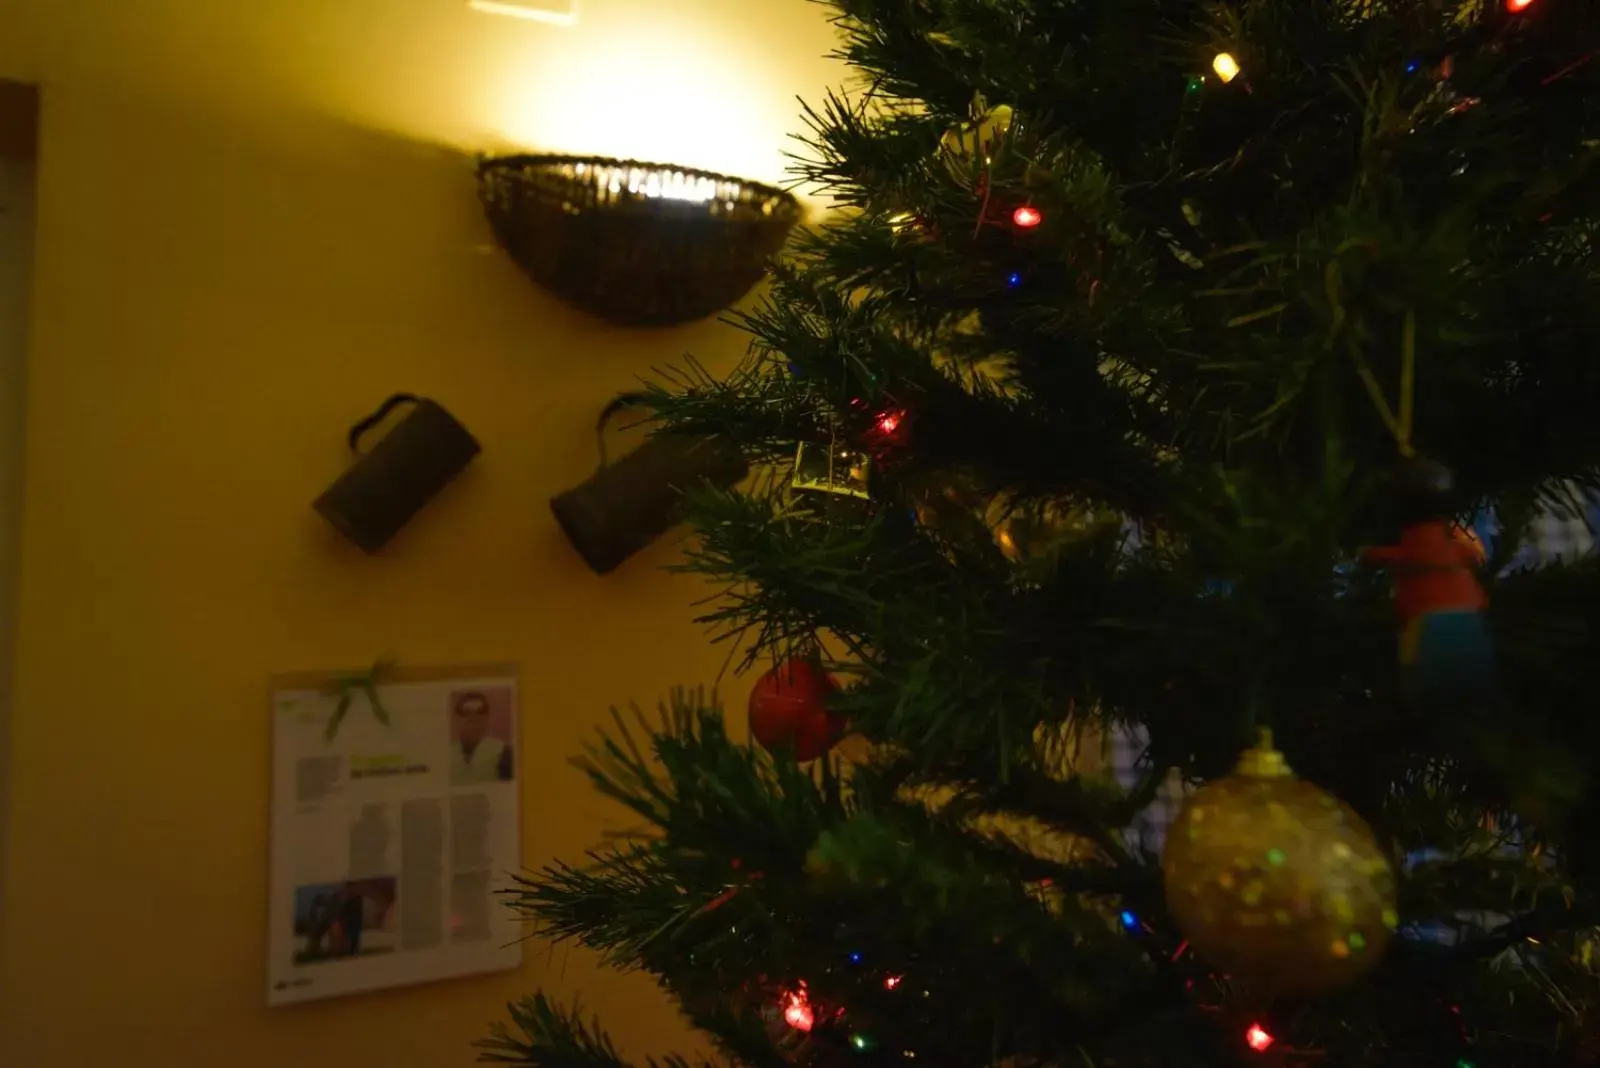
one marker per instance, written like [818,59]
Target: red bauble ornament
[789,710]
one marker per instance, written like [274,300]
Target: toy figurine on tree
[1092,421]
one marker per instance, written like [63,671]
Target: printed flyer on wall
[394,820]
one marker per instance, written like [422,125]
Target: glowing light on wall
[556,12]
[651,88]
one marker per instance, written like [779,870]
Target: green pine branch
[542,1034]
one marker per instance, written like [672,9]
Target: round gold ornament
[976,140]
[1277,882]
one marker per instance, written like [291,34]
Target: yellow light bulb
[1226,66]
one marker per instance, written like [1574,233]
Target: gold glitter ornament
[1276,882]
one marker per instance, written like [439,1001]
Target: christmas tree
[1165,374]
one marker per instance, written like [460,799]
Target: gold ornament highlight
[1276,881]
[977,139]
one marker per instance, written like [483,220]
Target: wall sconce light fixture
[638,244]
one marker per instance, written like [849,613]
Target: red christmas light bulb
[797,1010]
[1258,1038]
[889,422]
[1027,217]
[1517,7]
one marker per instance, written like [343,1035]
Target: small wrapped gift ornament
[832,470]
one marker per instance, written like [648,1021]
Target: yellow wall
[254,221]
[18,39]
